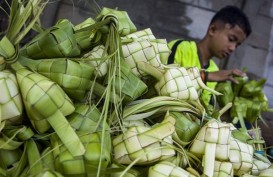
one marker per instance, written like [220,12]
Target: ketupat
[140,51]
[185,128]
[56,42]
[199,85]
[86,117]
[97,58]
[11,105]
[168,79]
[241,156]
[212,143]
[45,92]
[167,169]
[228,94]
[144,145]
[175,106]
[71,75]
[92,163]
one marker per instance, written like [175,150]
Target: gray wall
[188,19]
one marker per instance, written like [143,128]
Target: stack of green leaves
[245,92]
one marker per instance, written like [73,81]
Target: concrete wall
[188,19]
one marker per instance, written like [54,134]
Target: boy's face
[225,39]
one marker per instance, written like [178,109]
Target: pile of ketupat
[96,99]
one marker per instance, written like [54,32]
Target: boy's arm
[224,75]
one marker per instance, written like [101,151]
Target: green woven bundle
[168,169]
[142,34]
[176,83]
[186,129]
[253,111]
[252,88]
[129,84]
[34,163]
[262,98]
[48,173]
[161,48]
[140,51]
[160,45]
[228,94]
[9,158]
[45,101]
[97,58]
[238,111]
[95,160]
[8,52]
[241,156]
[119,171]
[56,42]
[85,117]
[238,87]
[223,169]
[73,76]
[84,37]
[11,105]
[144,145]
[125,25]
[11,141]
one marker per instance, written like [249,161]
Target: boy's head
[227,30]
[233,16]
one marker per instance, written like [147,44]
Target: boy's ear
[212,28]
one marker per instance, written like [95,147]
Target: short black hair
[233,16]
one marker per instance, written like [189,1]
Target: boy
[228,28]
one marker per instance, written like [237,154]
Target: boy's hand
[224,75]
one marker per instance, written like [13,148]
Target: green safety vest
[186,55]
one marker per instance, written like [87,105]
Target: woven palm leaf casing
[128,84]
[185,128]
[84,37]
[212,143]
[44,100]
[160,45]
[72,76]
[86,164]
[125,25]
[241,156]
[140,51]
[141,34]
[258,166]
[197,82]
[8,52]
[213,132]
[167,169]
[238,87]
[161,49]
[95,59]
[223,169]
[56,42]
[176,83]
[11,105]
[144,143]
[85,117]
[228,95]
[252,88]
[267,172]
[132,172]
